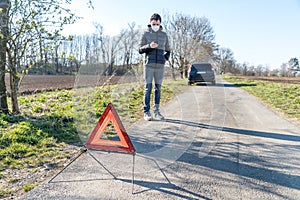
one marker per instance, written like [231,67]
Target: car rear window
[202,67]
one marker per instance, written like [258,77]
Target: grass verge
[53,124]
[284,98]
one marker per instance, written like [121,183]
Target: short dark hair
[155,17]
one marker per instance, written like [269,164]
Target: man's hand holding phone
[153,45]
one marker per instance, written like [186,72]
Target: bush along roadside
[284,98]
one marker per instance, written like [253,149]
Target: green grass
[49,121]
[27,187]
[284,98]
[5,193]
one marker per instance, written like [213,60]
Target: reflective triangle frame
[96,143]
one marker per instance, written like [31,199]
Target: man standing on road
[155,44]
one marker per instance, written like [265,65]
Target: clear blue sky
[263,32]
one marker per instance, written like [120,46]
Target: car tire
[189,83]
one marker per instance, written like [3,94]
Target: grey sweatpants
[156,73]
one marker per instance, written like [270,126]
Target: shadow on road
[278,136]
[225,85]
[163,187]
[217,161]
[239,85]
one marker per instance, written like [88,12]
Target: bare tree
[103,44]
[274,72]
[33,25]
[4,6]
[284,70]
[110,48]
[225,60]
[266,71]
[129,45]
[245,68]
[192,39]
[202,37]
[179,34]
[259,70]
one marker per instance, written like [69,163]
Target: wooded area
[32,43]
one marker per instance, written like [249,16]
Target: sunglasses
[155,24]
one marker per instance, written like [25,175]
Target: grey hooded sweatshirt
[157,55]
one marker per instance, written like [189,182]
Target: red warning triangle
[124,145]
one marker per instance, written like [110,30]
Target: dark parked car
[201,72]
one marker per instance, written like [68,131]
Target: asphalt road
[217,142]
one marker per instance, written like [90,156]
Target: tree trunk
[172,67]
[173,72]
[14,92]
[185,71]
[56,59]
[181,74]
[3,42]
[3,97]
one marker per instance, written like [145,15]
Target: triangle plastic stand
[96,143]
